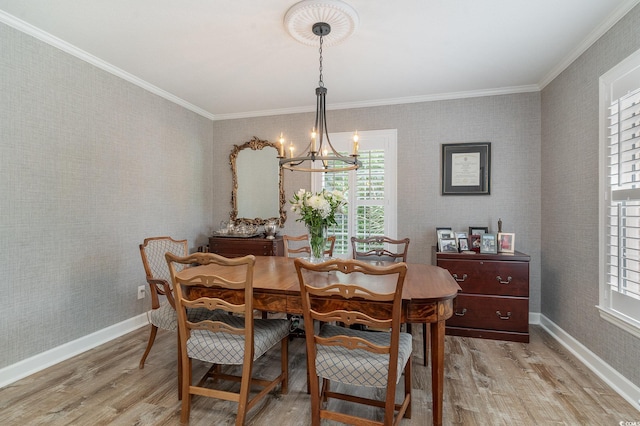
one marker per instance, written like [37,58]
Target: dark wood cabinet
[494,302]
[237,247]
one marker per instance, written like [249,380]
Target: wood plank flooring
[487,382]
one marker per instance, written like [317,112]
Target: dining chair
[163,308]
[379,248]
[299,245]
[330,293]
[163,312]
[236,338]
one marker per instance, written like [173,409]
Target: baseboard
[63,352]
[534,318]
[610,376]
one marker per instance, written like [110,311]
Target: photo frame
[463,244]
[474,242]
[488,244]
[443,233]
[466,168]
[477,230]
[448,245]
[506,242]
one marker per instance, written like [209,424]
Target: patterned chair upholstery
[224,284]
[377,248]
[163,312]
[330,293]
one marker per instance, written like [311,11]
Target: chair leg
[284,359]
[407,387]
[179,369]
[152,338]
[425,344]
[186,395]
[245,384]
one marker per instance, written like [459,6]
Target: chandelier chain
[321,82]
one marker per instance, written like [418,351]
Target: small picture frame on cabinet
[506,242]
[448,245]
[474,242]
[463,244]
[443,232]
[460,235]
[488,244]
[478,230]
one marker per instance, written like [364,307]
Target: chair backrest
[233,277]
[373,248]
[299,246]
[152,251]
[331,292]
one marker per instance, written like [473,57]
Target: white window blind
[371,189]
[620,217]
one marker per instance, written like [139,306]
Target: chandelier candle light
[331,160]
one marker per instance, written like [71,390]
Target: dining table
[427,297]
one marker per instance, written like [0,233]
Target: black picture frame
[466,168]
[478,230]
[463,244]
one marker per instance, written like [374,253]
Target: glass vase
[317,241]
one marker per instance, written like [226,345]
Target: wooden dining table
[427,297]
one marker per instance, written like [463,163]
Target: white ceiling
[234,58]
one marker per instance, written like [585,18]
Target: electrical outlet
[141,292]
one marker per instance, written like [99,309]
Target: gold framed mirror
[257,195]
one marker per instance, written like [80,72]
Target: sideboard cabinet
[238,246]
[494,302]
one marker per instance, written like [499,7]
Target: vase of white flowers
[318,211]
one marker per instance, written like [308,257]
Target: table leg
[437,369]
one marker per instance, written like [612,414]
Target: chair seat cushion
[225,348]
[166,318]
[358,366]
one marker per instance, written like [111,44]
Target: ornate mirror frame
[255,144]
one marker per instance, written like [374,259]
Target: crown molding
[44,36]
[385,102]
[598,32]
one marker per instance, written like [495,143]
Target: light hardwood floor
[488,382]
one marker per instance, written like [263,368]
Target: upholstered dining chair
[330,292]
[162,313]
[296,246]
[381,248]
[220,283]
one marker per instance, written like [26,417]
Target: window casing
[371,190]
[620,195]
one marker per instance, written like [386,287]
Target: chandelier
[320,148]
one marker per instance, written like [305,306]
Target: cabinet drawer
[490,312]
[239,251]
[489,277]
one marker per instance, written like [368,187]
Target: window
[620,200]
[371,189]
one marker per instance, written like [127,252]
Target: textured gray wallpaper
[570,199]
[90,165]
[511,123]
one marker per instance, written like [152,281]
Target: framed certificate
[466,168]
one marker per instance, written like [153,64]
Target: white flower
[319,208]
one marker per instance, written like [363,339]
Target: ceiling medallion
[341,17]
[317,19]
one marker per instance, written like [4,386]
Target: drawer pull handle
[503,317]
[455,277]
[461,314]
[501,281]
